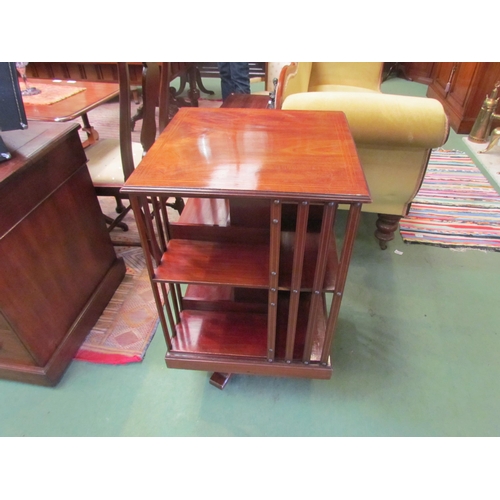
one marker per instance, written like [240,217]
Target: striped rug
[455,207]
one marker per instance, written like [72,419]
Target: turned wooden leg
[120,207]
[138,116]
[194,93]
[386,226]
[220,380]
[92,134]
[199,82]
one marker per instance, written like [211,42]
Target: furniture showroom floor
[415,354]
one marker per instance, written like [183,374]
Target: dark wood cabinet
[420,72]
[58,267]
[461,87]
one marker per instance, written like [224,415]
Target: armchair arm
[382,119]
[293,78]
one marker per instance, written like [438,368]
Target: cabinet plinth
[258,244]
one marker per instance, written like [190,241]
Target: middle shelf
[241,264]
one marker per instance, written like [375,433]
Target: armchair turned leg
[386,226]
[120,207]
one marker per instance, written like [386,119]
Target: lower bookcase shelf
[236,342]
[224,325]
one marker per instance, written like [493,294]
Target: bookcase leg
[220,380]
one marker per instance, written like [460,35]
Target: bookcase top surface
[265,153]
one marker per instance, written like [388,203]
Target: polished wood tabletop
[253,153]
[95,94]
[72,107]
[246,101]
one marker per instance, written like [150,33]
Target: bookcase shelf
[241,265]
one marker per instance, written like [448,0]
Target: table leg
[194,93]
[92,134]
[199,81]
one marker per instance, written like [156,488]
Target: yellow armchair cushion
[363,75]
[381,119]
[328,87]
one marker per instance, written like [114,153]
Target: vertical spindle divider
[175,288]
[155,202]
[140,207]
[151,241]
[274,264]
[345,257]
[329,213]
[170,317]
[296,281]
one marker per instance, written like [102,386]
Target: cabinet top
[260,153]
[26,146]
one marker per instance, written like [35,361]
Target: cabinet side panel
[11,348]
[51,262]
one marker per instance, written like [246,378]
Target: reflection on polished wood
[257,243]
[256,153]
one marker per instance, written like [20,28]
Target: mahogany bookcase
[250,278]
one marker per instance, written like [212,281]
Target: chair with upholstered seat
[273,70]
[394,134]
[112,161]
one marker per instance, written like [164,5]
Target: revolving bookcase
[250,278]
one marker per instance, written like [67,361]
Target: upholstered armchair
[394,134]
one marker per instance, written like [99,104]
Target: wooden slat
[319,276]
[273,274]
[345,258]
[170,317]
[298,260]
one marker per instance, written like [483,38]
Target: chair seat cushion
[105,163]
[339,88]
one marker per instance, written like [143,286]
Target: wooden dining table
[66,100]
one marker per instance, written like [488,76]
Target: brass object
[495,136]
[481,129]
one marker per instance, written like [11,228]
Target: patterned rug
[455,207]
[123,332]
